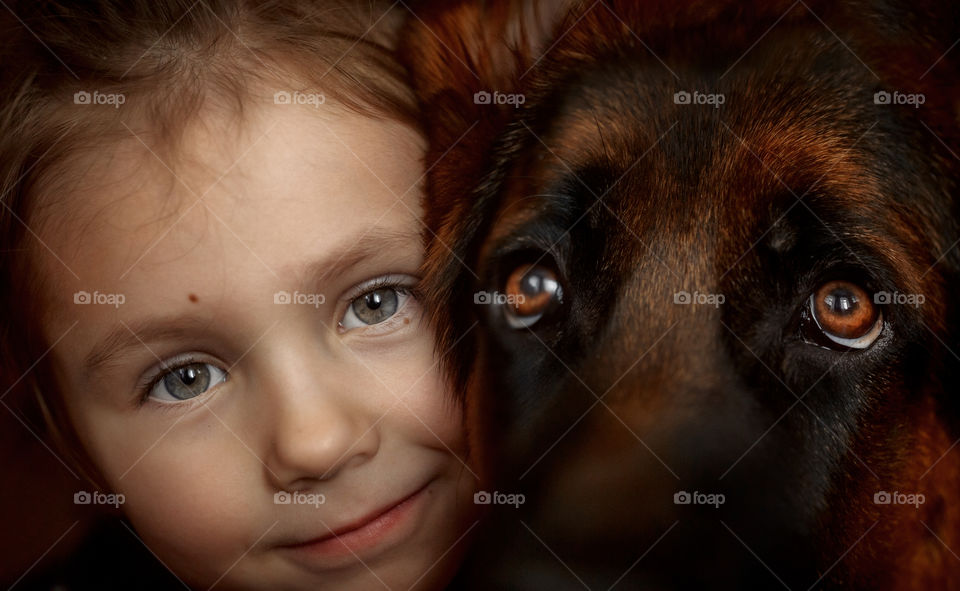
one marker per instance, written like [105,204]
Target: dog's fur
[619,398]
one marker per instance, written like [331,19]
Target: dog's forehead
[627,135]
[627,109]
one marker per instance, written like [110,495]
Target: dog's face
[701,290]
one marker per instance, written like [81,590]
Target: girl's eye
[373,307]
[844,314]
[187,381]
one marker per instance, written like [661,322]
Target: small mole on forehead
[193,298]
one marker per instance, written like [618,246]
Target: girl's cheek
[431,409]
[406,377]
[199,516]
[190,497]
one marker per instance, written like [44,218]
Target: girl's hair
[166,59]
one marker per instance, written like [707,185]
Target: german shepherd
[696,265]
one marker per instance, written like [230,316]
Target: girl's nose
[318,427]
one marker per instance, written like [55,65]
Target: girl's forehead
[338,165]
[290,185]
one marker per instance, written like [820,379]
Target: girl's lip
[365,534]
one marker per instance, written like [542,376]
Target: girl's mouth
[375,532]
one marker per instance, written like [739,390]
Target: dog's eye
[531,290]
[844,314]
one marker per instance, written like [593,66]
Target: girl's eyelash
[382,282]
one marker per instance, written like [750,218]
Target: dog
[694,271]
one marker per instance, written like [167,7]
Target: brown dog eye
[530,291]
[845,314]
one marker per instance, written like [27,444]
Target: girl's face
[250,368]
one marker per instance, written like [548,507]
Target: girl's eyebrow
[342,258]
[138,334]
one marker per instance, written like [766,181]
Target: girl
[211,242]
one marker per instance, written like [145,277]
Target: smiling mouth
[366,533]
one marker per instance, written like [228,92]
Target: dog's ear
[465,46]
[462,56]
[914,47]
[911,45]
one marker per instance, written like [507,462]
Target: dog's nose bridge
[675,277]
[668,320]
